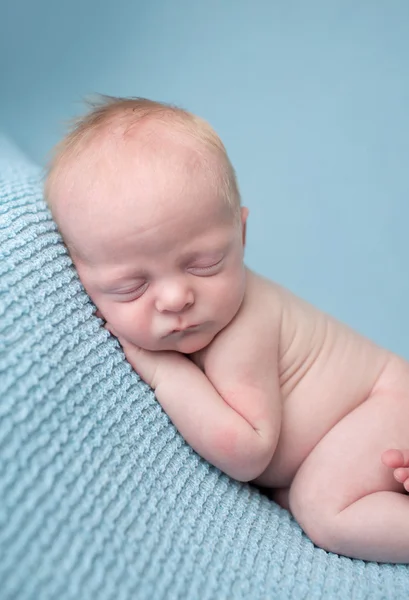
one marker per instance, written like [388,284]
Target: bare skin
[343,403]
[260,383]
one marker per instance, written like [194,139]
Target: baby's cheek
[133,323]
[230,296]
[124,318]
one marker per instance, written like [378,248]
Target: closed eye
[206,270]
[131,294]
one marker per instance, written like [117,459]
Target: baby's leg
[344,497]
[281,497]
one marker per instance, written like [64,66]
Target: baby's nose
[174,298]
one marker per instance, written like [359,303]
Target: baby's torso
[325,370]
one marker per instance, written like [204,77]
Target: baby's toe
[401,474]
[404,479]
[392,458]
[396,458]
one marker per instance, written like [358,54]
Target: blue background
[310,98]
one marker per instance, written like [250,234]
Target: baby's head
[147,202]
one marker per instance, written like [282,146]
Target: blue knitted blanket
[100,497]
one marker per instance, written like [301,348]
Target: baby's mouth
[188,329]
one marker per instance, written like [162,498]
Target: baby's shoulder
[263,293]
[255,329]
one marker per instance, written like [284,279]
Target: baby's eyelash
[207,267]
[133,291]
[125,292]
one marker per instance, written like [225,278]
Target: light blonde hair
[127,113]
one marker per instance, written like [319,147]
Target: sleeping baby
[260,383]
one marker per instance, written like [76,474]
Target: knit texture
[100,497]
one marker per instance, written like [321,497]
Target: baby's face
[173,287]
[168,275]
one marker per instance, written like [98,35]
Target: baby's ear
[244,215]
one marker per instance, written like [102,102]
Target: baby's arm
[238,434]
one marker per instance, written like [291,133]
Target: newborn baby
[258,382]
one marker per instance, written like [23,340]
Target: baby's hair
[124,114]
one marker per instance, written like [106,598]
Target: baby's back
[325,370]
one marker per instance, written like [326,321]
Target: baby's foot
[398,460]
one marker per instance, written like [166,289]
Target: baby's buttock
[346,463]
[325,398]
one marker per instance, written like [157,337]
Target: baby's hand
[152,367]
